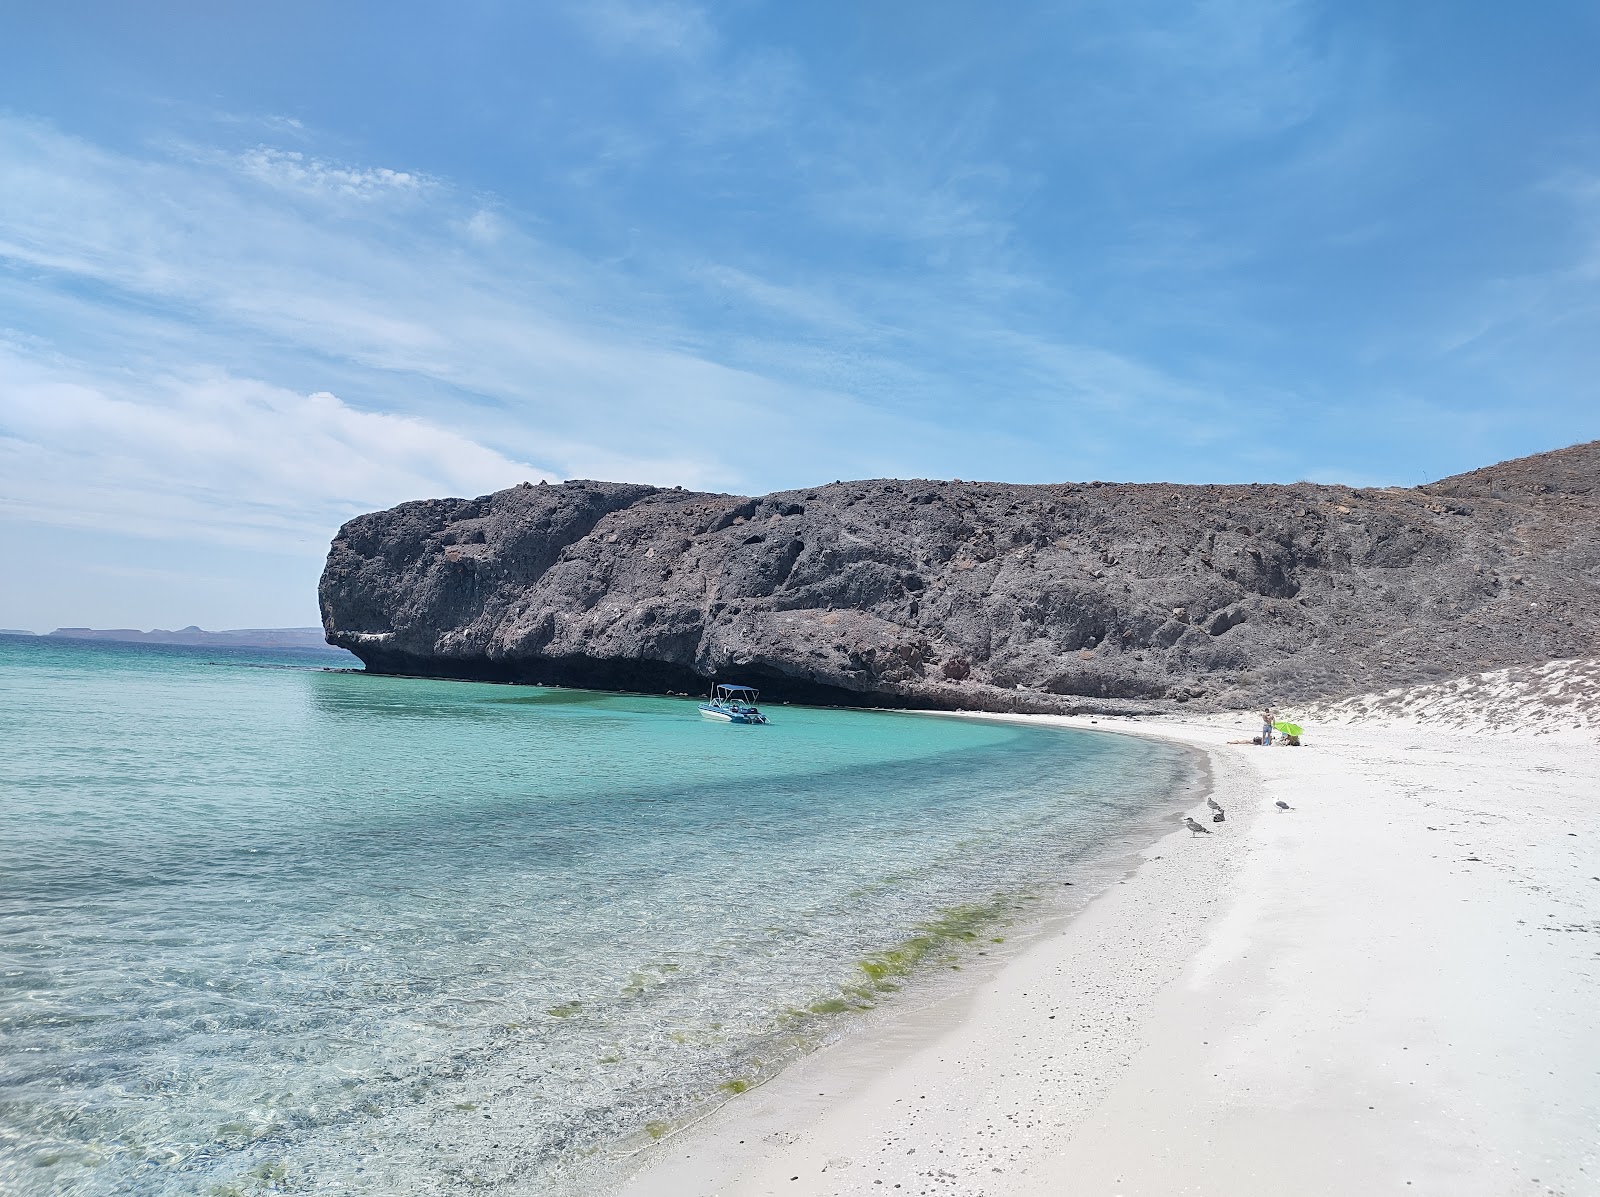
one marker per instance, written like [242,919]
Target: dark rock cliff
[982,595]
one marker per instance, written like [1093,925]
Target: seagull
[1196,828]
[1282,805]
[1213,803]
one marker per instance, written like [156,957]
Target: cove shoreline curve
[1367,993]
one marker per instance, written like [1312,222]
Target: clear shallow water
[278,929]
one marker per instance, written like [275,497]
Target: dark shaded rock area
[982,595]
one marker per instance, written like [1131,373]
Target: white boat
[733,704]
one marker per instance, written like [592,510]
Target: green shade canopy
[1288,729]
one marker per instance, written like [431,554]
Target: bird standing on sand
[1213,804]
[1196,828]
[1281,804]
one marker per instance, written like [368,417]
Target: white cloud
[808,305]
[528,344]
[190,311]
[1066,243]
[485,227]
[292,170]
[219,458]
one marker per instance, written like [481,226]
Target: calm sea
[266,927]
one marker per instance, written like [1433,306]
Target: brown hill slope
[983,595]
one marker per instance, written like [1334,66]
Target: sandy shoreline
[1395,986]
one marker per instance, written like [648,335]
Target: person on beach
[1266,726]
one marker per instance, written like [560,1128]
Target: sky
[266,267]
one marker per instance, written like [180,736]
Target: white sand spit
[1393,987]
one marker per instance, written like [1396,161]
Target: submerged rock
[982,595]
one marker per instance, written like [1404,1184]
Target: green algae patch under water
[940,942]
[943,937]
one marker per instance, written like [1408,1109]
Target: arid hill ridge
[983,595]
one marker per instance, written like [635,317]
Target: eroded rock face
[982,595]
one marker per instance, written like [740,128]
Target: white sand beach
[1391,987]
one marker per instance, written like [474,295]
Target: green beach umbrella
[1288,729]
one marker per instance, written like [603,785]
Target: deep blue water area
[266,926]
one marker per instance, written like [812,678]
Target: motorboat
[733,704]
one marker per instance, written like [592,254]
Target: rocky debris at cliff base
[990,596]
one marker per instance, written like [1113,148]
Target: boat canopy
[736,704]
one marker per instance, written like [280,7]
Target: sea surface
[268,927]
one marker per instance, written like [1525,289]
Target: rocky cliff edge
[979,595]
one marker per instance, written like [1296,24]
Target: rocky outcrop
[983,595]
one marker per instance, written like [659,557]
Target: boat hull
[722,715]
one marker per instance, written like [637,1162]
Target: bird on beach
[1196,828]
[1282,805]
[1213,804]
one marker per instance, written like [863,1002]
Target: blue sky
[265,267]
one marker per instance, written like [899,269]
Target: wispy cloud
[449,308]
[666,27]
[1215,67]
[752,264]
[1579,192]
[741,247]
[221,458]
[274,123]
[292,170]
[1539,304]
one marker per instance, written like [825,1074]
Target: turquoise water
[265,927]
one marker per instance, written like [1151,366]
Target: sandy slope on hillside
[1392,987]
[1556,696]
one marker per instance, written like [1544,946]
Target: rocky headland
[982,595]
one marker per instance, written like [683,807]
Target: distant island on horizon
[297,638]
